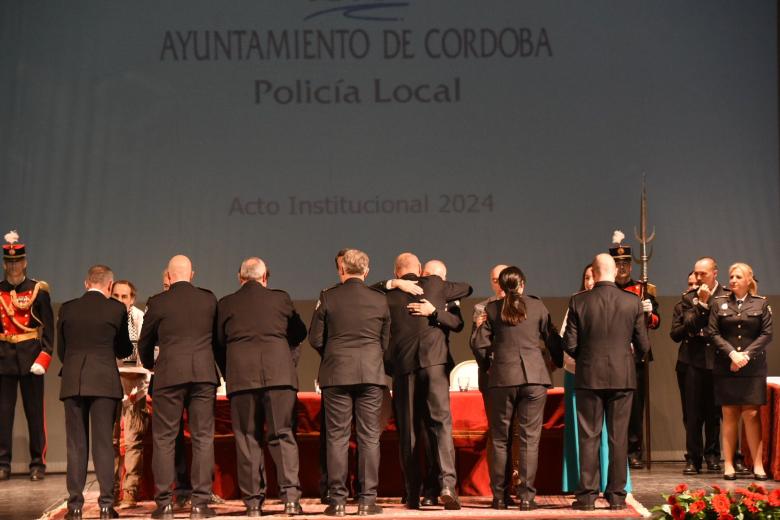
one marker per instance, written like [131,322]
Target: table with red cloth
[469,432]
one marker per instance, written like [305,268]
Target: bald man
[418,357]
[181,321]
[601,328]
[258,338]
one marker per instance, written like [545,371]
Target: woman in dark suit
[741,328]
[514,333]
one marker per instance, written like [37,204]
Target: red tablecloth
[469,431]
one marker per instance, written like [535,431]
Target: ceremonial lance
[644,260]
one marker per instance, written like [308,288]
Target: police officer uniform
[517,385]
[742,326]
[181,321]
[258,338]
[26,339]
[636,424]
[696,354]
[604,381]
[350,328]
[418,356]
[91,334]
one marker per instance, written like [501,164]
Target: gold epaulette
[44,286]
[651,289]
[723,296]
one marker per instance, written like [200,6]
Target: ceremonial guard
[26,342]
[623,260]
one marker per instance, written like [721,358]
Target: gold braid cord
[21,306]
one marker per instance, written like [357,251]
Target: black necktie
[739,303]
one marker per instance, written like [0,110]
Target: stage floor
[21,499]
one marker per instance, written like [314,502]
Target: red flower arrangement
[748,503]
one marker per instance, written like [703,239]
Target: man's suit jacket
[350,328]
[517,349]
[258,338]
[91,335]
[181,321]
[417,341]
[690,329]
[601,327]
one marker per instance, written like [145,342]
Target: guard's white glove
[647,305]
[37,369]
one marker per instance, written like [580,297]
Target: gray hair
[100,275]
[253,268]
[355,262]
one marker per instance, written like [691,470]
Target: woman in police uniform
[741,328]
[514,331]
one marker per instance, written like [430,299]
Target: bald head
[407,263]
[180,269]
[435,268]
[494,280]
[604,268]
[253,268]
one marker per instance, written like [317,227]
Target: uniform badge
[723,306]
[695,301]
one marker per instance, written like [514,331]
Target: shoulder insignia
[456,303]
[331,287]
[691,290]
[758,296]
[44,286]
[317,305]
[722,296]
[651,289]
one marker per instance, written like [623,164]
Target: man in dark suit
[91,334]
[606,333]
[691,329]
[419,358]
[181,321]
[258,334]
[350,328]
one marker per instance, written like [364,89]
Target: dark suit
[258,333]
[418,356]
[181,321]
[697,352]
[517,383]
[91,334]
[350,329]
[602,325]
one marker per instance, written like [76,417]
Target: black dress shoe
[759,476]
[741,470]
[729,476]
[450,500]
[73,514]
[202,511]
[635,463]
[254,511]
[335,510]
[690,469]
[369,509]
[37,474]
[181,501]
[509,501]
[582,506]
[108,512]
[429,501]
[163,512]
[5,474]
[527,505]
[713,466]
[293,508]
[498,504]
[412,504]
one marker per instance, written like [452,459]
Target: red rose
[721,503]
[697,506]
[774,498]
[681,488]
[678,513]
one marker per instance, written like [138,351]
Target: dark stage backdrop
[475,132]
